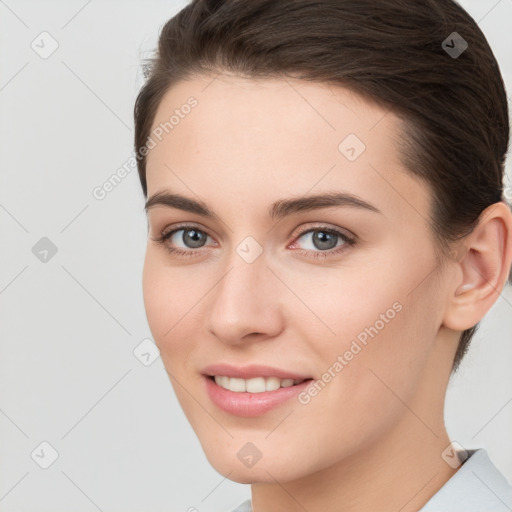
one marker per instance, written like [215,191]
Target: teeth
[237,384]
[272,383]
[254,385]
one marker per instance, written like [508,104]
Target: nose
[246,303]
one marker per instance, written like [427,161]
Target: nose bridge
[244,300]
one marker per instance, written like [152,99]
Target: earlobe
[483,270]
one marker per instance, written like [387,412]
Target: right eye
[191,237]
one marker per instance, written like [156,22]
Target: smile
[252,397]
[254,385]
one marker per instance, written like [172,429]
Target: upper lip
[250,371]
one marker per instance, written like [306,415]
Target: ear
[483,270]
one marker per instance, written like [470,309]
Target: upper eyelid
[179,227]
[327,227]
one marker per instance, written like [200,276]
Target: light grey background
[68,374]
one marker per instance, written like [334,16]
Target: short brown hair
[455,107]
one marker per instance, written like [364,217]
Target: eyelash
[348,242]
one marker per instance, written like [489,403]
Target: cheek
[169,302]
[156,294]
[376,332]
[377,355]
[168,296]
[386,303]
[176,303]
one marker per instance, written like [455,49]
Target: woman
[327,226]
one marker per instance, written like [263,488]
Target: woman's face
[278,284]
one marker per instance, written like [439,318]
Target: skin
[377,428]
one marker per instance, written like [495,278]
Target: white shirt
[477,486]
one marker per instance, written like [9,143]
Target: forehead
[243,134]
[261,107]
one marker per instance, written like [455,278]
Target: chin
[260,473]
[267,469]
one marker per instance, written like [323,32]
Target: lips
[243,402]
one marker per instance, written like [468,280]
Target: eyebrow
[278,210]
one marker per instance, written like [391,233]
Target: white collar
[476,486]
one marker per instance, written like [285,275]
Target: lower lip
[250,404]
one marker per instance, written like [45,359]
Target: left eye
[324,239]
[325,242]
